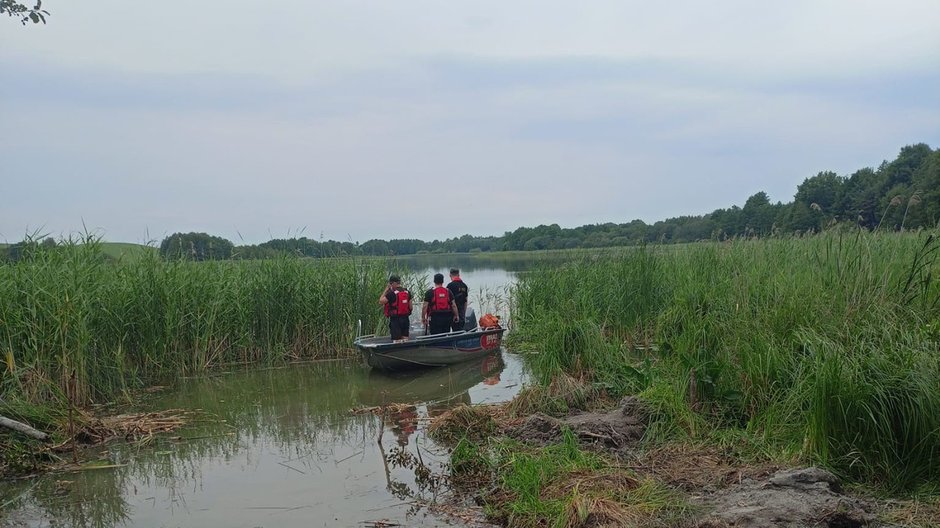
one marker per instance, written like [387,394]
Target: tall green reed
[114,323]
[824,346]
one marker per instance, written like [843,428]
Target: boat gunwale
[423,341]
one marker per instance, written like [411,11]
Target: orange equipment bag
[489,321]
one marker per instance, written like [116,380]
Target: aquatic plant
[823,347]
[113,323]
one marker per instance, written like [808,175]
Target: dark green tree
[196,246]
[824,190]
[923,206]
[375,247]
[759,215]
[859,200]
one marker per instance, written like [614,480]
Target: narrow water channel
[277,447]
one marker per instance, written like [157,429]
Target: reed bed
[113,324]
[824,348]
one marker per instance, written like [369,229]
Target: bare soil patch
[790,498]
[725,491]
[616,429]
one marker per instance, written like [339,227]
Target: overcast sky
[351,120]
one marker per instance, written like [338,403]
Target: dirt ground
[727,492]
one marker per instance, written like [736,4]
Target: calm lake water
[280,447]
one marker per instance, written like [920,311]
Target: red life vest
[440,299]
[401,306]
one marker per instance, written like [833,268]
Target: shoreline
[590,467]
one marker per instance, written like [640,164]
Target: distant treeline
[900,194]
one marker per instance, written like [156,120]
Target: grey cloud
[566,140]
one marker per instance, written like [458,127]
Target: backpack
[489,321]
[440,299]
[402,304]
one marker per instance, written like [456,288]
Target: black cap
[438,278]
[394,278]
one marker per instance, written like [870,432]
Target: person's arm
[425,309]
[453,308]
[383,299]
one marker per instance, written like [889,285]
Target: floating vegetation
[466,421]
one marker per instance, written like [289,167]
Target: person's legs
[405,325]
[459,325]
[394,327]
[440,324]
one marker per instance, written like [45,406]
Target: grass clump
[465,422]
[913,513]
[561,486]
[559,397]
[823,348]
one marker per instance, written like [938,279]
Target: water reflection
[430,385]
[437,389]
[472,262]
[276,447]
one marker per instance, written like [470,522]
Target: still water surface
[279,447]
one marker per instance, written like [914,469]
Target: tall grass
[825,347]
[114,324]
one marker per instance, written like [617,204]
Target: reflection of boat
[437,350]
[430,385]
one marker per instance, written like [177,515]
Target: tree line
[900,194]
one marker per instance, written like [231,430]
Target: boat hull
[429,351]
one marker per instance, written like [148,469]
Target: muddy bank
[790,498]
[614,430]
[712,489]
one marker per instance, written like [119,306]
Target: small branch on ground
[23,428]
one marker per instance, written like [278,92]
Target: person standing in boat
[460,291]
[439,307]
[396,302]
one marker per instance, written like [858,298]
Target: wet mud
[724,492]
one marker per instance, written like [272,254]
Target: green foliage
[823,346]
[14,252]
[558,398]
[901,194]
[115,323]
[527,473]
[195,246]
